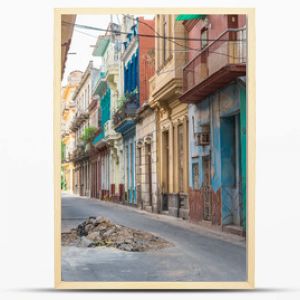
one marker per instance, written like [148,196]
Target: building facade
[100,154]
[171,118]
[81,128]
[124,117]
[108,140]
[215,89]
[161,125]
[67,30]
[146,175]
[67,136]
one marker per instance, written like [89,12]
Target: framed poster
[154,142]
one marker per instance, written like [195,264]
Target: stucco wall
[146,128]
[146,66]
[216,110]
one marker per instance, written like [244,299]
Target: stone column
[185,153]
[184,212]
[160,158]
[171,158]
[176,162]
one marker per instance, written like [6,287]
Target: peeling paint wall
[226,150]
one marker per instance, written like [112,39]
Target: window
[195,173]
[204,37]
[206,170]
[180,157]
[139,156]
[202,138]
[85,99]
[164,38]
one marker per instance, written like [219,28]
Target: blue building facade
[124,118]
[217,164]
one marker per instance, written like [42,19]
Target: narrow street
[198,254]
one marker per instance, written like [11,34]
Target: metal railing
[229,48]
[127,110]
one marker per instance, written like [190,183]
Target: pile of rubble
[100,231]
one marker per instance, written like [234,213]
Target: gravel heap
[94,232]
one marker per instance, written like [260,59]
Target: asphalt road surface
[198,254]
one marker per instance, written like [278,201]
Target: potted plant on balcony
[88,136]
[132,96]
[121,101]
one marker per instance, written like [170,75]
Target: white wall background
[26,155]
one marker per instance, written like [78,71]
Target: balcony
[98,140]
[78,152]
[93,103]
[71,104]
[216,65]
[82,115]
[66,106]
[124,117]
[78,119]
[112,69]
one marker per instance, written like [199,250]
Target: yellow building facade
[171,117]
[68,109]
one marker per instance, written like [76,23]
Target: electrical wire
[149,26]
[184,46]
[173,51]
[157,35]
[85,33]
[144,35]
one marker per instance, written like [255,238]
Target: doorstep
[234,229]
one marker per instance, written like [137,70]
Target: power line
[85,33]
[149,35]
[149,26]
[159,49]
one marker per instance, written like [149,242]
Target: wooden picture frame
[251,146]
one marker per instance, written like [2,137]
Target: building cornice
[172,89]
[84,78]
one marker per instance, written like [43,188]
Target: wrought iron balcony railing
[80,116]
[127,110]
[217,64]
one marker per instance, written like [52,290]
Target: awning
[189,17]
[101,45]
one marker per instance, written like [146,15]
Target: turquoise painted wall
[104,110]
[243,132]
[227,134]
[217,110]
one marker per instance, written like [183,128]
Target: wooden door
[206,189]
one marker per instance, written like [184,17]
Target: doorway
[206,188]
[149,171]
[231,170]
[165,170]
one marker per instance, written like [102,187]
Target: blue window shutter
[133,73]
[125,77]
[130,76]
[136,70]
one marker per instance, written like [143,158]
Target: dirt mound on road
[100,231]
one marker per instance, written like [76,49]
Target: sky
[81,43]
[83,39]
